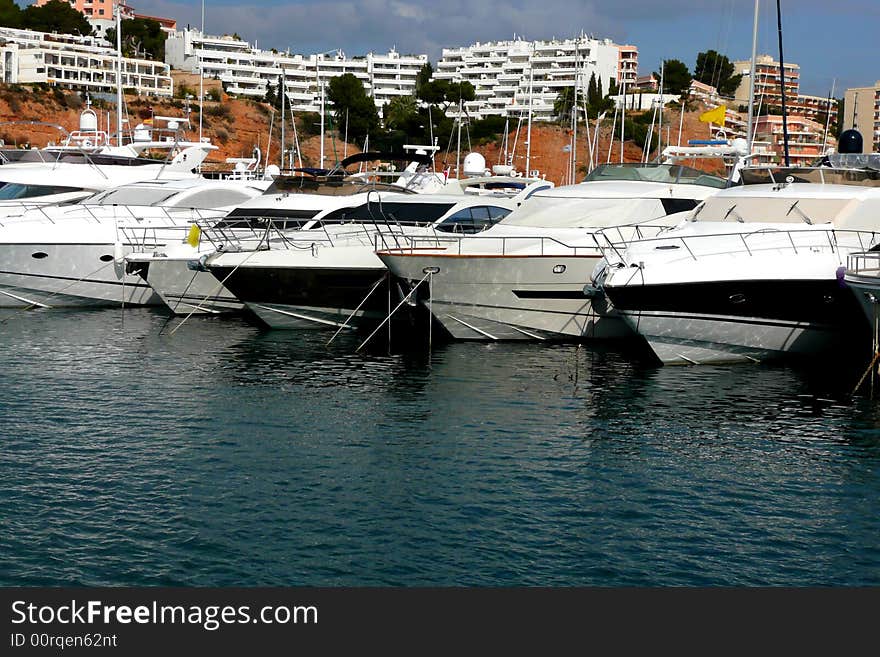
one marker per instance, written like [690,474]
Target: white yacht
[755,272]
[87,162]
[527,278]
[862,276]
[324,277]
[73,255]
[298,203]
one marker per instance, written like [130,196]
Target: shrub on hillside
[219,111]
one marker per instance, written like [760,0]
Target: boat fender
[840,274]
[198,265]
[593,292]
[118,254]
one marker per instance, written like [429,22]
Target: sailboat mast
[622,119]
[119,74]
[283,117]
[529,128]
[574,109]
[318,76]
[782,85]
[458,147]
[752,76]
[201,82]
[828,116]
[660,118]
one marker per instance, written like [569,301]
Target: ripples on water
[225,455]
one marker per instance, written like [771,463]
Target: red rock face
[245,124]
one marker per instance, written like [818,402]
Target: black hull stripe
[77,280]
[460,307]
[550,294]
[636,316]
[304,287]
[798,301]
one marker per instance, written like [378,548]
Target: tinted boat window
[12,191]
[261,218]
[408,214]
[673,205]
[473,220]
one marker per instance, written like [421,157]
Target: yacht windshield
[13,191]
[662,173]
[132,196]
[589,212]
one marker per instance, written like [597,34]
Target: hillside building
[248,71]
[511,76]
[77,63]
[769,94]
[101,14]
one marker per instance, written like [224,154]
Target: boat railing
[165,226]
[243,234]
[532,244]
[865,263]
[485,245]
[824,175]
[757,242]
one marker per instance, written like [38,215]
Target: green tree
[348,98]
[141,37]
[424,76]
[563,104]
[400,112]
[715,69]
[676,76]
[487,129]
[443,92]
[593,95]
[272,97]
[463,91]
[433,92]
[55,16]
[10,14]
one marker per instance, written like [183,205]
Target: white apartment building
[249,71]
[77,63]
[509,76]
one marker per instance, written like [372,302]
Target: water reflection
[222,454]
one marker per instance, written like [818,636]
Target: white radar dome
[88,121]
[474,165]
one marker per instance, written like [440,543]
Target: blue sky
[828,39]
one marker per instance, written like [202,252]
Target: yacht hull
[738,321]
[80,275]
[497,297]
[867,292]
[318,297]
[183,290]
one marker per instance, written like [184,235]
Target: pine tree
[593,96]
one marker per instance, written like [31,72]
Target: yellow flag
[714,116]
[194,236]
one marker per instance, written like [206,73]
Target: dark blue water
[225,455]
